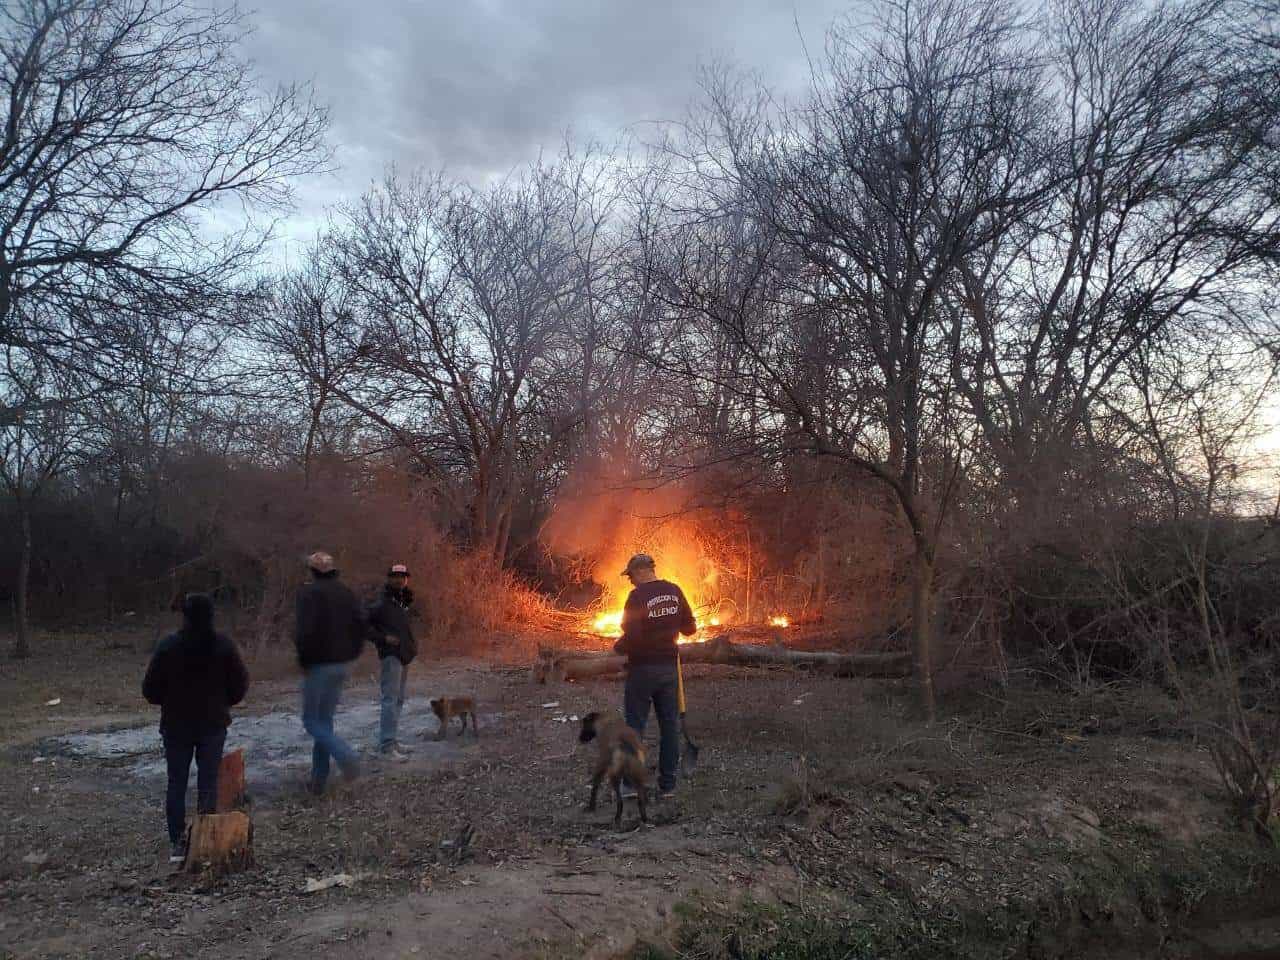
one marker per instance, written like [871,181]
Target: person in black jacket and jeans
[195,677]
[330,634]
[656,612]
[392,635]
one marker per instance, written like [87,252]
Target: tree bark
[922,629]
[220,843]
[22,642]
[231,787]
[554,665]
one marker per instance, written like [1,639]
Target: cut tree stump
[231,788]
[556,665]
[220,843]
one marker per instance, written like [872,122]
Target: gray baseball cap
[637,562]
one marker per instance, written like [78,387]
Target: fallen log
[554,666]
[837,664]
[220,843]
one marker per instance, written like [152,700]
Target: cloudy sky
[480,86]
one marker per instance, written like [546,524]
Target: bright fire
[683,555]
[688,556]
[610,625]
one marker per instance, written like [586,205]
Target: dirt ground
[811,790]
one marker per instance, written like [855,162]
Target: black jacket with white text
[655,614]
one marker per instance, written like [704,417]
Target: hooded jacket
[195,675]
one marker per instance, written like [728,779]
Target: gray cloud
[480,86]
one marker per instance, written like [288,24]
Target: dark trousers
[179,747]
[656,683]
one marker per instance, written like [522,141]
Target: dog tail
[627,758]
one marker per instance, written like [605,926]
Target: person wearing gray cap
[330,634]
[656,612]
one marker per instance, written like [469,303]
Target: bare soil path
[811,788]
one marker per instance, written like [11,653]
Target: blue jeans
[321,690]
[394,677]
[179,747]
[656,683]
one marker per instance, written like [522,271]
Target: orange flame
[610,625]
[681,555]
[779,621]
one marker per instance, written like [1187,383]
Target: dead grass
[831,783]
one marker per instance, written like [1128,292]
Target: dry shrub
[273,519]
[471,600]
[795,794]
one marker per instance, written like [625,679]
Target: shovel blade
[689,755]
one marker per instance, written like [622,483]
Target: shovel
[689,755]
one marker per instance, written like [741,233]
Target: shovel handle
[679,687]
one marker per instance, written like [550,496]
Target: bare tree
[35,445]
[920,147]
[467,299]
[310,345]
[1147,238]
[127,123]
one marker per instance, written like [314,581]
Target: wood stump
[231,789]
[220,843]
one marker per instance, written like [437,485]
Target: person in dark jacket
[392,635]
[656,612]
[195,677]
[329,635]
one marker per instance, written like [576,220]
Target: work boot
[395,752]
[177,852]
[628,791]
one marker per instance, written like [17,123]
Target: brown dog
[445,708]
[620,754]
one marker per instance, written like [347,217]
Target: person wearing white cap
[392,635]
[330,634]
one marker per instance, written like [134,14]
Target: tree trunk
[922,628]
[502,536]
[22,642]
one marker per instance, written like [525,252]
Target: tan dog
[620,754]
[445,708]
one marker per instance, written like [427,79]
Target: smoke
[601,522]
